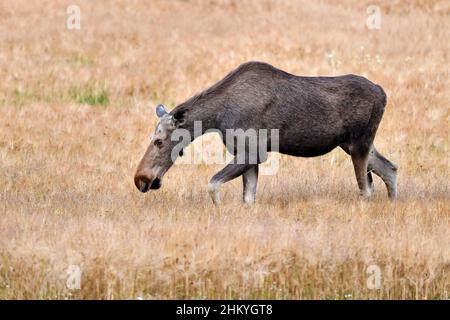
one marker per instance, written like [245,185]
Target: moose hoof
[392,193]
[213,190]
[249,199]
[366,194]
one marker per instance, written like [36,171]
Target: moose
[313,115]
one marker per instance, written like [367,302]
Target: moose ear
[160,111]
[179,118]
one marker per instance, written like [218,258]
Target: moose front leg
[250,179]
[230,172]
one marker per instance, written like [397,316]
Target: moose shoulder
[313,115]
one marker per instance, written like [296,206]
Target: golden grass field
[77,108]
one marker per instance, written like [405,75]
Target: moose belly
[309,147]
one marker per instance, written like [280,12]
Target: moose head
[159,156]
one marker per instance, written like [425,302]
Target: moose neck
[203,115]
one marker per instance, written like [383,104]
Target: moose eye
[158,143]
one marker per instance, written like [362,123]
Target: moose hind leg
[360,164]
[346,148]
[386,170]
[250,180]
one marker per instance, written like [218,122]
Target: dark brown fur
[314,115]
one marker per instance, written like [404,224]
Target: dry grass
[66,167]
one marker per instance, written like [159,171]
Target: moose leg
[386,170]
[230,172]
[360,163]
[250,179]
[370,186]
[370,180]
